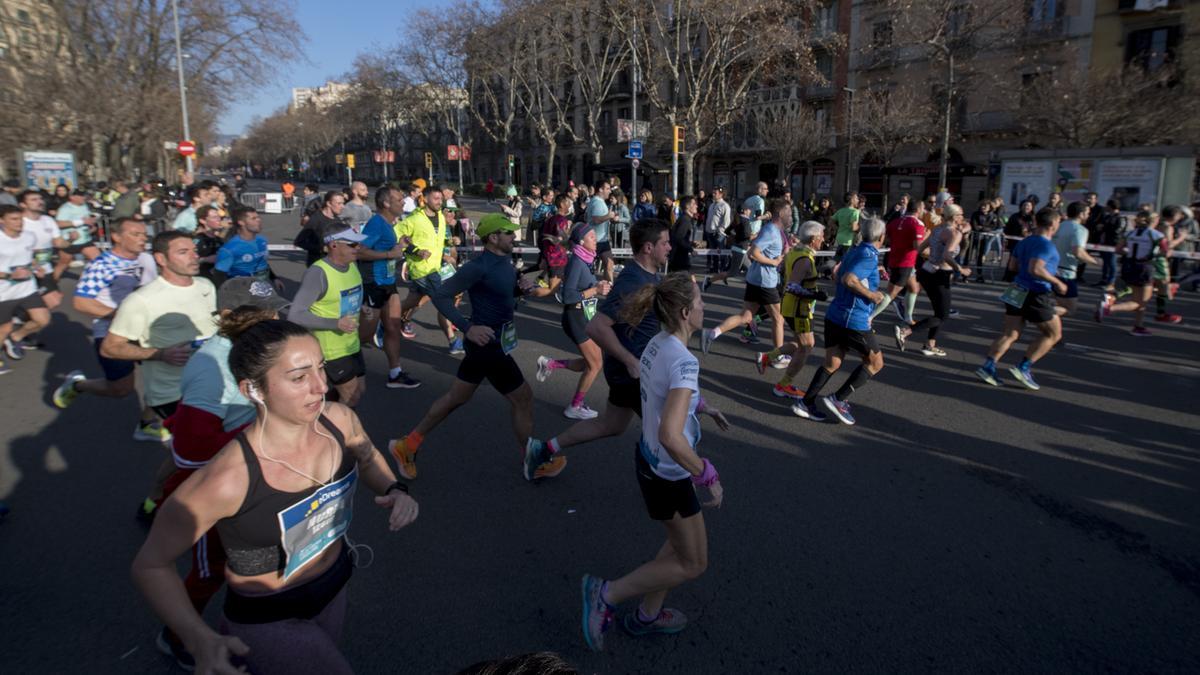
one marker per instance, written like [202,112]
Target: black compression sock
[820,379]
[856,381]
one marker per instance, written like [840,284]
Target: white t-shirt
[15,253]
[161,314]
[44,230]
[667,364]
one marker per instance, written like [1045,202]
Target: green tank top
[343,297]
[794,305]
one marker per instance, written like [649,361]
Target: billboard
[1075,179]
[1019,180]
[44,169]
[1131,182]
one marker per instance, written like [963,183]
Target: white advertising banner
[1132,182]
[1020,180]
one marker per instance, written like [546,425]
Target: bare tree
[1135,108]
[954,34]
[888,120]
[595,49]
[702,58]
[544,94]
[493,55]
[792,134]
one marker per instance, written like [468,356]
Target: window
[623,113]
[606,124]
[1152,48]
[958,20]
[1046,11]
[826,19]
[825,66]
[881,34]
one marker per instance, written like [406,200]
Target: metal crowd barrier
[269,202]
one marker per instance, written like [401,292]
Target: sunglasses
[351,244]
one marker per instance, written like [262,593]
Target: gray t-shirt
[356,214]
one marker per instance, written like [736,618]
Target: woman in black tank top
[281,495]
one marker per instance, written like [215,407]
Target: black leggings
[937,287]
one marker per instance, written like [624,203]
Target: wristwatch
[396,486]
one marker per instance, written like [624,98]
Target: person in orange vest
[288,189]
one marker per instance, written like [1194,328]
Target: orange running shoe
[406,461]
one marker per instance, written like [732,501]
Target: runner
[423,235]
[48,241]
[554,246]
[847,219]
[667,465]
[287,563]
[1071,242]
[161,324]
[380,321]
[357,212]
[762,286]
[800,297]
[104,284]
[1163,285]
[78,225]
[601,218]
[19,275]
[848,327]
[904,235]
[490,281]
[246,253]
[328,304]
[1141,250]
[621,343]
[935,276]
[1033,263]
[212,411]
[580,297]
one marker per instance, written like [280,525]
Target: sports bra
[252,536]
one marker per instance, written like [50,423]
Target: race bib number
[508,337]
[589,308]
[351,301]
[447,271]
[391,268]
[314,523]
[43,255]
[1014,295]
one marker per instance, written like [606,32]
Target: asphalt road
[957,528]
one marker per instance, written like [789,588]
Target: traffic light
[510,161]
[680,134]
[429,160]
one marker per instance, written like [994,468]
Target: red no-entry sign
[187,148]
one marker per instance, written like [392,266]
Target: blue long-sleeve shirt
[577,279]
[241,258]
[490,281]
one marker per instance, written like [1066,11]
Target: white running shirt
[667,364]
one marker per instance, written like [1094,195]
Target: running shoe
[1103,307]
[551,468]
[840,409]
[1140,331]
[952,312]
[761,361]
[377,339]
[172,646]
[987,375]
[668,622]
[787,391]
[782,361]
[456,346]
[706,340]
[30,344]
[406,462]
[4,369]
[1172,289]
[706,284]
[544,370]
[409,330]
[900,338]
[1168,318]
[14,349]
[580,412]
[536,454]
[932,351]
[66,392]
[800,409]
[151,431]
[1025,377]
[402,381]
[1122,292]
[597,614]
[748,337]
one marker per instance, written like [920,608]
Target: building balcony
[1143,6]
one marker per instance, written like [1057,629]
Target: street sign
[350,161]
[626,132]
[452,152]
[636,163]
[187,148]
[635,149]
[465,151]
[339,158]
[170,145]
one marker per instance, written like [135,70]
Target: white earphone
[252,389]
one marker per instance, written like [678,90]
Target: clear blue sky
[336,33]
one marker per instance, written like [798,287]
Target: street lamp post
[187,132]
[849,136]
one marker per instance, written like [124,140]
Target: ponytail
[668,300]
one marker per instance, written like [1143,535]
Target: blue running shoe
[987,375]
[1025,377]
[378,339]
[456,347]
[800,409]
[840,409]
[597,614]
[536,454]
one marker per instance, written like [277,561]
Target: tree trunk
[689,171]
[552,147]
[945,155]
